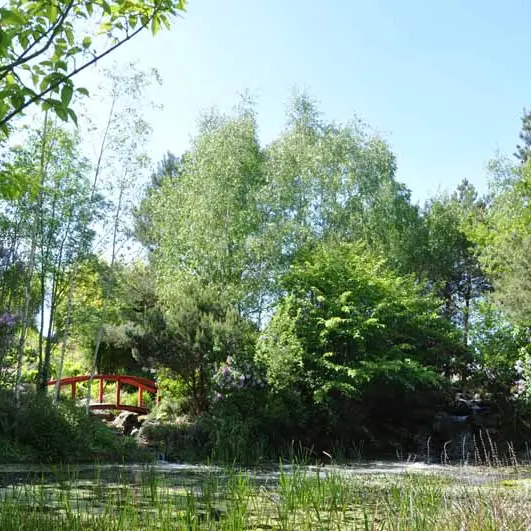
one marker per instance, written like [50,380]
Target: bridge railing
[143,385]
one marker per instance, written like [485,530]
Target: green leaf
[22,39]
[155,25]
[66,94]
[74,51]
[62,112]
[17,100]
[12,16]
[51,11]
[69,36]
[73,115]
[87,41]
[165,21]
[83,91]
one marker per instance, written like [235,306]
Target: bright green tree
[354,340]
[325,179]
[207,223]
[51,231]
[504,239]
[346,315]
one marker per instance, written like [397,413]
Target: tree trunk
[466,312]
[106,294]
[73,276]
[25,319]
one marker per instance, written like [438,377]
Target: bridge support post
[140,397]
[100,397]
[73,390]
[117,393]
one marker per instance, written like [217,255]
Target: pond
[370,495]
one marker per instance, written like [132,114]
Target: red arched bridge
[143,385]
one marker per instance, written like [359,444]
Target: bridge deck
[123,407]
[142,384]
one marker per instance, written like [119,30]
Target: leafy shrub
[358,346]
[40,431]
[178,441]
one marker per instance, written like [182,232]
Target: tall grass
[294,498]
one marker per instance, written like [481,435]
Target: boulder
[126,422]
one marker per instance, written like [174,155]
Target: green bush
[39,431]
[179,441]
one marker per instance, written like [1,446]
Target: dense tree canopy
[346,316]
[275,291]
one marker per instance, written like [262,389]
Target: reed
[295,497]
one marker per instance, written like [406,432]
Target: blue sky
[444,82]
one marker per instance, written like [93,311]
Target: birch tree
[123,161]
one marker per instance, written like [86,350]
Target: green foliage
[43,46]
[191,338]
[234,213]
[169,169]
[289,287]
[451,261]
[351,315]
[327,179]
[279,348]
[504,239]
[496,343]
[523,151]
[94,278]
[350,328]
[206,222]
[39,431]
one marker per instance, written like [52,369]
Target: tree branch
[54,29]
[93,61]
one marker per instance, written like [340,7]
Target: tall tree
[331,180]
[504,237]
[49,230]
[126,133]
[523,151]
[207,221]
[451,257]
[64,194]
[237,214]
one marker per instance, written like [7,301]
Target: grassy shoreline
[293,498]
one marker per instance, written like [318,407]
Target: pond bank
[376,494]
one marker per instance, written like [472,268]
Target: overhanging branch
[76,71]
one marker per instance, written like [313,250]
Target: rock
[126,421]
[143,438]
